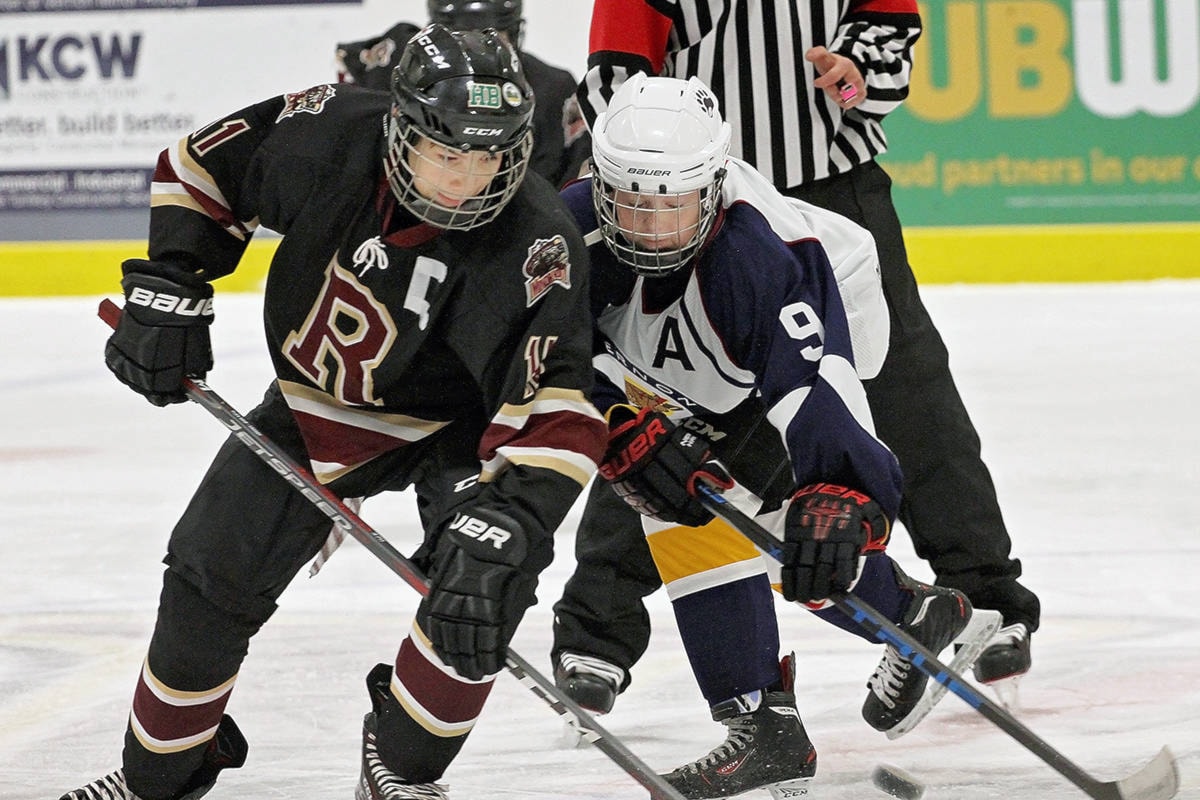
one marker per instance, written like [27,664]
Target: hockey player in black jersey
[734,327]
[561,143]
[422,312]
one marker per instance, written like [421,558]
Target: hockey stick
[342,516]
[1157,780]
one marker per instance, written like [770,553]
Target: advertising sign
[1051,111]
[89,95]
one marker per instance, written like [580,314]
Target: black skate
[377,782]
[1006,655]
[935,616]
[227,750]
[591,682]
[766,748]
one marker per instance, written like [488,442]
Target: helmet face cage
[462,92]
[653,231]
[658,155]
[406,153]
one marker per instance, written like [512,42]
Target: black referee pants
[949,507]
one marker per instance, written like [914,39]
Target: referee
[805,85]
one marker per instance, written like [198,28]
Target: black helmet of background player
[475,15]
[464,91]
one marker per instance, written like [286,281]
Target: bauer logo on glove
[827,529]
[654,465]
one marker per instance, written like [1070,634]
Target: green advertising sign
[1051,112]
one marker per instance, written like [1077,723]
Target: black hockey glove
[479,588]
[654,465]
[826,529]
[162,337]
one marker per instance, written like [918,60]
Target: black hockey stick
[342,516]
[1157,780]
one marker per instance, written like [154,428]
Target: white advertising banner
[92,90]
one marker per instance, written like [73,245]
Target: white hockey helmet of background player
[660,141]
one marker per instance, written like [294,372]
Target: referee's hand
[838,76]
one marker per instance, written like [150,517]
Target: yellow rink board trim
[44,269]
[996,254]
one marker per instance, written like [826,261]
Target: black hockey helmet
[475,15]
[466,91]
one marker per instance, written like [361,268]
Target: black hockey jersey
[757,313]
[561,143]
[382,336]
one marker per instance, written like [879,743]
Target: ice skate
[226,750]
[592,683]
[377,782]
[936,616]
[766,748]
[1003,663]
[110,787]
[1007,655]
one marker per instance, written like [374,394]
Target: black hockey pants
[243,537]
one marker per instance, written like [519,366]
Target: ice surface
[1086,398]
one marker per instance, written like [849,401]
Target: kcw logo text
[66,58]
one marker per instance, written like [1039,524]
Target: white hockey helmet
[659,149]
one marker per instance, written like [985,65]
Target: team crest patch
[378,55]
[310,101]
[548,263]
[642,397]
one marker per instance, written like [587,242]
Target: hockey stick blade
[345,518]
[1157,780]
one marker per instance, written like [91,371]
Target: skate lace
[889,676]
[741,734]
[591,665]
[110,787]
[387,785]
[1009,635]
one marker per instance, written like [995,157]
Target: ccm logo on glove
[480,530]
[160,301]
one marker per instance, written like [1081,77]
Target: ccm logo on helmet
[478,529]
[161,301]
[483,131]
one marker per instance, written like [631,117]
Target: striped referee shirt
[751,53]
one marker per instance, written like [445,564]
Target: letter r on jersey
[345,336]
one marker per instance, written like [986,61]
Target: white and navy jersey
[751,53]
[757,314]
[383,331]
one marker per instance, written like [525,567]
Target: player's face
[658,221]
[450,177]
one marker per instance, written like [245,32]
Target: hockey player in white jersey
[730,349]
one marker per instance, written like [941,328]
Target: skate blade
[789,790]
[1007,694]
[572,735]
[971,641]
